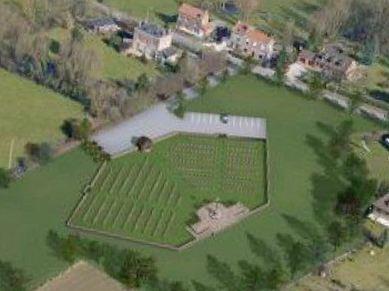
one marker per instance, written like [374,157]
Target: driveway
[157,122]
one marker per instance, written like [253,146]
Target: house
[102,25]
[194,21]
[380,211]
[170,55]
[251,42]
[331,61]
[150,40]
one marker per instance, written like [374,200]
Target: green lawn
[45,197]
[39,202]
[377,159]
[152,196]
[142,8]
[113,66]
[29,113]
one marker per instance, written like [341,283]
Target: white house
[251,42]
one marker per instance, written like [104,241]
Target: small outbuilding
[144,144]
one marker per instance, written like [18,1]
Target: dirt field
[82,277]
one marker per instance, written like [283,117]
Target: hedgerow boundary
[79,230]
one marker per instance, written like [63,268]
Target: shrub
[5,178]
[95,151]
[39,153]
[11,278]
[76,129]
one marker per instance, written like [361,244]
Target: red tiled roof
[241,28]
[191,11]
[251,33]
[258,36]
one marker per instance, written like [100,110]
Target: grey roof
[168,52]
[152,29]
[383,203]
[158,122]
[99,22]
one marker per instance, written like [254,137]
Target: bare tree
[248,7]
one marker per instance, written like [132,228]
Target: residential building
[102,25]
[194,20]
[380,211]
[151,40]
[251,42]
[331,61]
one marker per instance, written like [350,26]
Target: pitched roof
[383,203]
[258,36]
[251,33]
[191,11]
[308,55]
[241,28]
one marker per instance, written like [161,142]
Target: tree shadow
[222,273]
[327,182]
[166,18]
[264,251]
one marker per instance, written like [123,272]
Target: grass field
[44,198]
[151,197]
[377,160]
[169,7]
[113,66]
[29,113]
[361,270]
[39,202]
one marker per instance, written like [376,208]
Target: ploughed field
[153,196]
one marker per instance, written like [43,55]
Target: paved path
[158,122]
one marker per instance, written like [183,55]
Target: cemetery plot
[151,197]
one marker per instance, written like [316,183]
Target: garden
[152,197]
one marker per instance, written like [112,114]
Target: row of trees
[129,267]
[342,193]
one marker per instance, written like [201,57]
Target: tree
[142,82]
[248,7]
[252,276]
[281,65]
[275,278]
[222,273]
[337,233]
[369,51]
[5,178]
[12,278]
[339,144]
[297,254]
[76,129]
[136,270]
[316,83]
[40,153]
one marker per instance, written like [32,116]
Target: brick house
[331,61]
[194,20]
[151,40]
[251,42]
